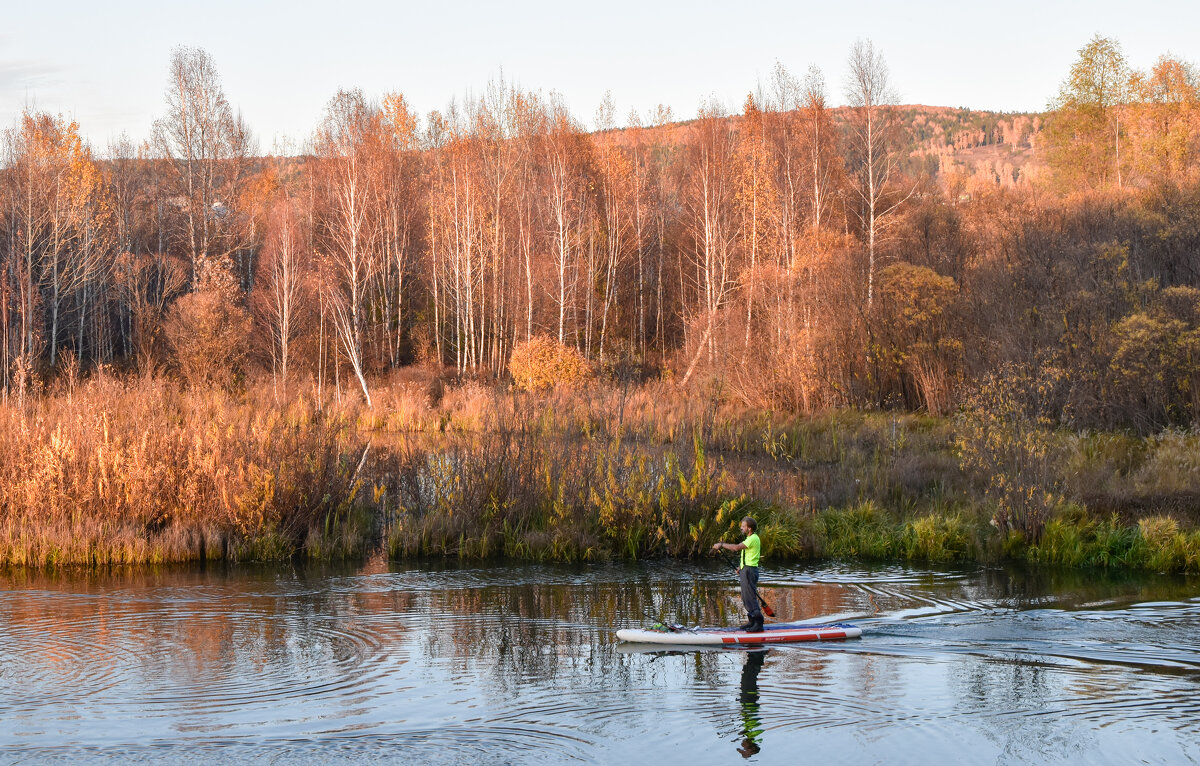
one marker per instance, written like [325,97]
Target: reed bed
[121,471]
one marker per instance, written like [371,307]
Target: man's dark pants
[748,577]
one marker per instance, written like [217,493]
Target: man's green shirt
[751,552]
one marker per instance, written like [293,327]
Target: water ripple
[517,664]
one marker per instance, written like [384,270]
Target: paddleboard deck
[771,634]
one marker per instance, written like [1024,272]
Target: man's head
[749,525]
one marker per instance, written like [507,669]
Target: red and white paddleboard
[771,634]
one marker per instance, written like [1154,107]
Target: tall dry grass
[119,471]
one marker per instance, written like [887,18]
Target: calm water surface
[517,664]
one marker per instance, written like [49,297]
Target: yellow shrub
[542,363]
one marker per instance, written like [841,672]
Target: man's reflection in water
[751,725]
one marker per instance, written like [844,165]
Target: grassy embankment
[140,471]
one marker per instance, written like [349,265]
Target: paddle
[767,610]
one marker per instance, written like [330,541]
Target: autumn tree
[456,239]
[60,231]
[401,192]
[565,204]
[873,133]
[529,126]
[147,284]
[655,190]
[709,201]
[1085,125]
[208,327]
[617,211]
[1164,122]
[917,342]
[281,295]
[757,199]
[640,224]
[349,222]
[1157,359]
[776,245]
[146,277]
[822,161]
[209,150]
[496,124]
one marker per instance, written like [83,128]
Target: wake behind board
[771,634]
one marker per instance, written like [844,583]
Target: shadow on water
[517,663]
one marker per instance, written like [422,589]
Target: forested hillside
[800,256]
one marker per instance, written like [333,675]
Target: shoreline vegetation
[499,329]
[113,471]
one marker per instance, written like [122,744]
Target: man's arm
[729,546]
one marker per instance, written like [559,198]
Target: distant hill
[951,144]
[1003,148]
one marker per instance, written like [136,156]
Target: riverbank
[116,471]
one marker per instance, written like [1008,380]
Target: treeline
[790,256]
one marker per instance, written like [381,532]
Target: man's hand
[718,546]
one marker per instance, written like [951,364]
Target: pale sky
[105,63]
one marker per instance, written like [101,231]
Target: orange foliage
[543,363]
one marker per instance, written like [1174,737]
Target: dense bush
[207,329]
[543,363]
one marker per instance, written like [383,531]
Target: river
[516,663]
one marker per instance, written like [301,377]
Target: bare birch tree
[208,148]
[349,227]
[873,133]
[280,292]
[564,202]
[709,203]
[820,143]
[615,187]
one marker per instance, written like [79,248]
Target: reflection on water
[517,664]
[751,723]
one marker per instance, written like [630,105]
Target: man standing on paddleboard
[750,549]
